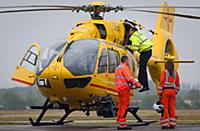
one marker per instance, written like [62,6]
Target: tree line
[187,98]
[21,98]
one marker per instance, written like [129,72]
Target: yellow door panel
[23,75]
[25,70]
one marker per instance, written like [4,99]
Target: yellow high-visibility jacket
[140,42]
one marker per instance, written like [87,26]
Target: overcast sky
[18,30]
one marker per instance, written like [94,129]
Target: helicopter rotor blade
[172,14]
[36,6]
[128,7]
[33,10]
[158,7]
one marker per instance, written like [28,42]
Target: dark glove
[126,46]
[132,86]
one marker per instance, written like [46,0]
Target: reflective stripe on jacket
[167,81]
[172,83]
[122,77]
[140,42]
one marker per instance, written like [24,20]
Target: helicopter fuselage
[86,70]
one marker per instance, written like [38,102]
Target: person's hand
[126,46]
[138,84]
[132,86]
[141,26]
[140,87]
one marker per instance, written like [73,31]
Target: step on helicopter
[78,74]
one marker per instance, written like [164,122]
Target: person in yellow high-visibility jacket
[140,43]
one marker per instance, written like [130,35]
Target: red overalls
[122,77]
[168,88]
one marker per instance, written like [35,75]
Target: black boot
[124,128]
[165,127]
[172,127]
[144,89]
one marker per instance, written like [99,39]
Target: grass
[185,117]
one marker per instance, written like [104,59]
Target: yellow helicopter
[78,74]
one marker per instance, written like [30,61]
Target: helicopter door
[113,62]
[25,70]
[101,78]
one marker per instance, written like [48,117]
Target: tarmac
[89,127]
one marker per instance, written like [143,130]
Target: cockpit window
[102,67]
[113,60]
[49,55]
[81,56]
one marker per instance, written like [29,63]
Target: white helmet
[158,107]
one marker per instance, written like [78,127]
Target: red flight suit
[168,88]
[122,77]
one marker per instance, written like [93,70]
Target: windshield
[80,57]
[49,54]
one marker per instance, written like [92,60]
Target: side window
[102,30]
[102,67]
[113,60]
[29,61]
[30,57]
[132,63]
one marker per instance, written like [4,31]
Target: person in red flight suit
[167,90]
[123,78]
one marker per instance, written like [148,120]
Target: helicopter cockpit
[80,57]
[49,54]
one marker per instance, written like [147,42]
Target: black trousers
[142,76]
